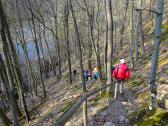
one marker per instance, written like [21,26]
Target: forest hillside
[83,63]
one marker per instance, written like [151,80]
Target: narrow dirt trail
[118,112]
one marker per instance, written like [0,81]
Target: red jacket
[90,73]
[121,72]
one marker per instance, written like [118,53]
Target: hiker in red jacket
[121,73]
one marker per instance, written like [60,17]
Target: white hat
[122,61]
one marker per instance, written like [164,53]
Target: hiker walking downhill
[89,74]
[86,75]
[120,73]
[95,72]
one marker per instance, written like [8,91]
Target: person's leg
[94,76]
[121,86]
[116,92]
[86,78]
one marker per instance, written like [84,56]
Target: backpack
[117,69]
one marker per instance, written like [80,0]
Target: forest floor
[61,96]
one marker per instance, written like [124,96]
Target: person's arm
[128,73]
[114,74]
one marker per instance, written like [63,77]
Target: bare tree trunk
[24,47]
[66,29]
[97,42]
[131,33]
[106,39]
[81,64]
[54,9]
[142,35]
[7,64]
[115,41]
[137,35]
[110,44]
[57,44]
[4,77]
[141,31]
[49,52]
[37,48]
[42,52]
[28,63]
[4,118]
[90,52]
[123,24]
[15,69]
[158,26]
[95,47]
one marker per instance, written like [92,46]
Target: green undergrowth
[163,80]
[102,96]
[163,62]
[145,117]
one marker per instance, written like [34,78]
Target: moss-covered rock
[145,117]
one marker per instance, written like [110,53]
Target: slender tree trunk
[16,70]
[57,39]
[97,42]
[81,64]
[7,64]
[115,41]
[49,52]
[110,44]
[37,48]
[151,14]
[34,79]
[141,31]
[28,63]
[4,118]
[106,39]
[131,33]
[66,29]
[137,35]
[95,47]
[4,77]
[123,24]
[42,52]
[90,52]
[45,40]
[158,26]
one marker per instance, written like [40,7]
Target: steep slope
[128,110]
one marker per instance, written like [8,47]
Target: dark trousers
[119,87]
